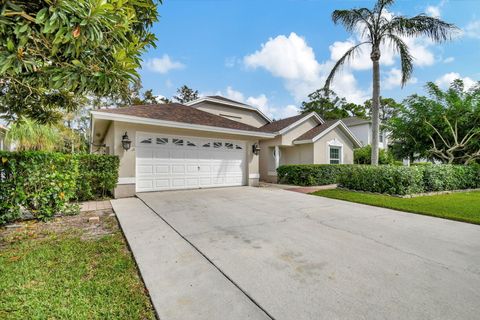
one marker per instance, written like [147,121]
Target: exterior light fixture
[126,142]
[255,149]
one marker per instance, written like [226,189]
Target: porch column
[277,157]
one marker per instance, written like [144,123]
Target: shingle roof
[315,131]
[276,126]
[180,113]
[353,121]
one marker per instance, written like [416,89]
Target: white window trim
[336,144]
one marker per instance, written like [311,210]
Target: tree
[29,135]
[378,29]
[330,106]
[444,126]
[364,156]
[388,108]
[54,51]
[185,94]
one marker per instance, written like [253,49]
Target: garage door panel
[180,162]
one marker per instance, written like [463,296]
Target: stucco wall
[250,117]
[298,154]
[128,160]
[321,150]
[293,134]
[267,163]
[362,132]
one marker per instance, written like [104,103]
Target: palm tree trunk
[375,106]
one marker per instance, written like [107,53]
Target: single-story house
[362,129]
[211,142]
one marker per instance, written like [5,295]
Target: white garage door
[174,162]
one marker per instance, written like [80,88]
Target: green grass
[63,276]
[462,206]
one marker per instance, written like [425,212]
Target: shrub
[450,177]
[310,174]
[42,183]
[98,176]
[383,179]
[45,183]
[363,155]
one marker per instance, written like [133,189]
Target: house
[211,142]
[362,129]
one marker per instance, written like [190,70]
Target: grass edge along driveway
[461,206]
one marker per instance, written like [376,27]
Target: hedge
[310,174]
[388,179]
[46,183]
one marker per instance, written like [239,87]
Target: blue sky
[272,53]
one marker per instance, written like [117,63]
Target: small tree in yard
[54,51]
[444,126]
[377,29]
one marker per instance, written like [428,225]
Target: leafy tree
[185,94]
[29,135]
[54,51]
[378,29]
[444,126]
[330,106]
[388,108]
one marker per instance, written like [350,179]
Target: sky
[272,53]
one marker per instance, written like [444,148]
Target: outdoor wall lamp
[126,142]
[255,149]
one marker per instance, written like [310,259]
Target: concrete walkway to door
[299,257]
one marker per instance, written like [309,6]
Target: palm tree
[377,29]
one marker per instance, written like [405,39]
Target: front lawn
[462,206]
[69,268]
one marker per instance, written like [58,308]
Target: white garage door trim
[170,162]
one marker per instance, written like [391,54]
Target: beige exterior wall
[288,137]
[299,154]
[267,163]
[128,158]
[321,155]
[250,117]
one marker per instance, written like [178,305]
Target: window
[162,140]
[148,140]
[335,153]
[177,142]
[207,145]
[238,147]
[191,144]
[229,145]
[217,144]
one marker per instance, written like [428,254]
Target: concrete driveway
[296,256]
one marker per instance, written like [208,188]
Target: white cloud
[394,79]
[286,57]
[233,94]
[163,65]
[433,11]
[293,60]
[231,62]
[445,80]
[472,29]
[448,59]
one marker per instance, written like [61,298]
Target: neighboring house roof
[172,114]
[228,102]
[355,121]
[322,129]
[286,124]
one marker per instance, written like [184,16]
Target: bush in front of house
[98,176]
[310,174]
[387,179]
[45,183]
[451,177]
[41,182]
[363,155]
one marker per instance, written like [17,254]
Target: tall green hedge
[45,183]
[388,179]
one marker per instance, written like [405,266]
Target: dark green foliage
[364,156]
[383,179]
[310,174]
[98,176]
[42,183]
[328,105]
[45,183]
[388,179]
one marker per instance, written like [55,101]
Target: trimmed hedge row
[394,180]
[45,183]
[310,174]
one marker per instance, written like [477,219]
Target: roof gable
[317,132]
[284,125]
